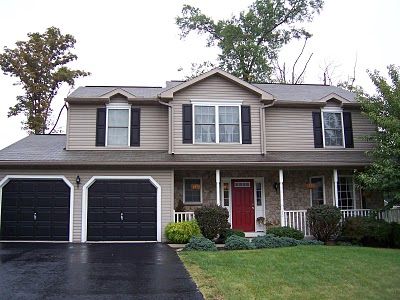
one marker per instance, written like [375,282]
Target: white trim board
[7,178]
[85,190]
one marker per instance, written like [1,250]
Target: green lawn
[302,272]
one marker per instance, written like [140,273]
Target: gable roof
[169,93]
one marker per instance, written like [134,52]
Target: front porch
[275,197]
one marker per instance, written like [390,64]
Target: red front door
[243,204]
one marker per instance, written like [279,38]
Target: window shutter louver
[101,127]
[135,127]
[317,126]
[246,125]
[348,130]
[187,124]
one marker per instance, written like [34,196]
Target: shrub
[286,232]
[235,242]
[309,242]
[228,232]
[199,243]
[267,241]
[213,220]
[288,242]
[324,221]
[181,233]
[367,231]
[394,237]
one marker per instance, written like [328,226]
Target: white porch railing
[182,216]
[297,219]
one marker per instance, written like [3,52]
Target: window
[192,190]
[345,192]
[204,117]
[317,193]
[118,126]
[229,131]
[217,123]
[332,128]
[258,194]
[226,193]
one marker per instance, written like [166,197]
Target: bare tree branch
[304,69]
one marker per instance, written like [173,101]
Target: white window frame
[216,105]
[353,191]
[323,188]
[201,191]
[332,110]
[119,106]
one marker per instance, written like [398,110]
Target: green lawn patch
[302,272]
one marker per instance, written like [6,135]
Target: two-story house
[130,154]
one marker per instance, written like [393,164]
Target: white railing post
[218,185]
[281,195]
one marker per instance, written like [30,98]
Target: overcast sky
[137,42]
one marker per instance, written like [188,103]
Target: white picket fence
[297,219]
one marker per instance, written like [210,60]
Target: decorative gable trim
[334,97]
[169,94]
[116,92]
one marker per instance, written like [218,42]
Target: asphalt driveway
[93,271]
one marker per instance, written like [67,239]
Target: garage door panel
[135,199]
[48,200]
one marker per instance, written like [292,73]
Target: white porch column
[218,185]
[335,182]
[281,196]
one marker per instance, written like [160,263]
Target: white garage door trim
[85,202]
[6,179]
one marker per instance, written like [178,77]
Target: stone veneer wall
[296,196]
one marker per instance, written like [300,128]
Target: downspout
[262,124]
[170,127]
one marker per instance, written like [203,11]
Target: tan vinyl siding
[82,128]
[289,129]
[217,88]
[165,179]
[361,127]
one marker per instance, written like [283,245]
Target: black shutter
[187,127]
[101,127]
[317,125]
[135,127]
[246,125]
[348,130]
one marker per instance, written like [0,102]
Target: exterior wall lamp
[78,180]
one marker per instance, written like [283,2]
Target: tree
[40,65]
[383,109]
[250,41]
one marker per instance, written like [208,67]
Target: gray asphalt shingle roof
[288,92]
[42,150]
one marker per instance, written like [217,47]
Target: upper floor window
[333,132]
[217,123]
[118,125]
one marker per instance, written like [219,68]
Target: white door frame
[85,191]
[8,178]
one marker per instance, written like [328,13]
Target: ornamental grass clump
[200,243]
[180,233]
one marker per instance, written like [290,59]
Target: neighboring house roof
[49,150]
[308,93]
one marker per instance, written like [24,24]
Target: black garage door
[35,210]
[122,210]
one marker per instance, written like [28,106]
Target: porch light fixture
[78,180]
[276,186]
[310,185]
